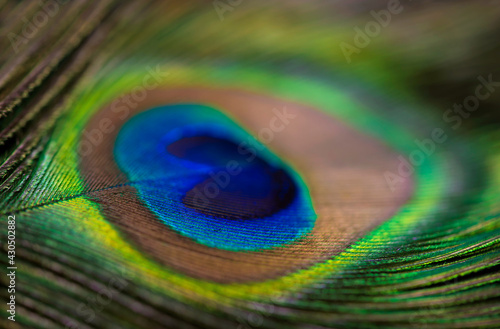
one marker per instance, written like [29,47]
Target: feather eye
[197,179]
[170,174]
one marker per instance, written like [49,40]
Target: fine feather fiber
[250,164]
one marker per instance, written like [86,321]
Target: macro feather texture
[237,164]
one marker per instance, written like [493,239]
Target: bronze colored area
[342,168]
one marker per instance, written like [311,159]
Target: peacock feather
[237,164]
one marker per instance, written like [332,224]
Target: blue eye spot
[207,178]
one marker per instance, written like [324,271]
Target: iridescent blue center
[208,179]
